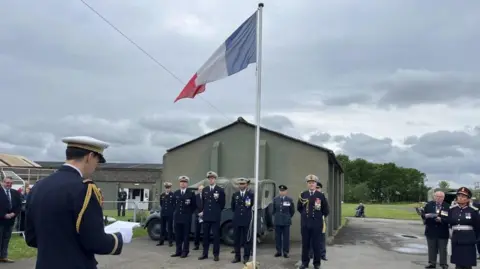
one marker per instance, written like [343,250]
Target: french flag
[234,55]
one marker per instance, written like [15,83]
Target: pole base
[249,265]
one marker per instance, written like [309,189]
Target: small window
[267,193]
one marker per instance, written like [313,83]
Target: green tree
[444,185]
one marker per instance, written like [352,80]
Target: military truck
[266,193]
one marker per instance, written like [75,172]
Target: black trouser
[282,239]
[182,238]
[121,208]
[478,248]
[198,229]
[437,246]
[166,230]
[213,226]
[5,235]
[241,240]
[310,234]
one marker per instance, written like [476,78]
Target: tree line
[381,182]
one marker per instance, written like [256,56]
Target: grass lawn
[383,211]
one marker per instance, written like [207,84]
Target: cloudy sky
[386,81]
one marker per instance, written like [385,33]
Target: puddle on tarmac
[412,249]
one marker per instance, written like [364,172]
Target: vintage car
[267,191]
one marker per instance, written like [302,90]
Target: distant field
[384,211]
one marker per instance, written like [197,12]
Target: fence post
[135,207]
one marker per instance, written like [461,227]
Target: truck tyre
[228,234]
[154,229]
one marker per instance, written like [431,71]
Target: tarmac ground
[362,243]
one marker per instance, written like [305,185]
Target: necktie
[183,192]
[211,188]
[311,193]
[7,192]
[241,193]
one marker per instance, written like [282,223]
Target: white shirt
[212,187]
[78,170]
[182,191]
[242,193]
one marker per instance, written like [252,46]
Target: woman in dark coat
[464,220]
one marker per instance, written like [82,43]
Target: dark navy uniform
[198,224]
[313,207]
[167,201]
[283,211]
[213,205]
[465,224]
[184,208]
[64,216]
[437,232]
[242,204]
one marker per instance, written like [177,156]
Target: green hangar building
[230,151]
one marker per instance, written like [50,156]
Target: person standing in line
[436,230]
[10,207]
[166,215]
[121,202]
[313,206]
[212,207]
[323,242]
[465,223]
[198,220]
[242,205]
[184,208]
[70,234]
[283,211]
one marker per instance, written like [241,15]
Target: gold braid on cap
[92,188]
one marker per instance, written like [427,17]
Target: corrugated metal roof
[9,160]
[111,165]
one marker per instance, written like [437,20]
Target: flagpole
[257,132]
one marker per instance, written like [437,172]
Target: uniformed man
[212,207]
[64,240]
[198,220]
[436,230]
[465,223]
[184,208]
[283,211]
[167,201]
[313,206]
[323,242]
[242,204]
[121,202]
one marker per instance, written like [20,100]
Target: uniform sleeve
[325,206]
[292,208]
[476,224]
[89,224]
[193,203]
[162,200]
[222,199]
[274,208]
[30,235]
[18,203]
[300,204]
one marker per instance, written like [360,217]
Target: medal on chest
[318,204]
[187,201]
[248,202]
[468,215]
[215,195]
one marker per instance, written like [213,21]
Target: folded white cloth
[124,228]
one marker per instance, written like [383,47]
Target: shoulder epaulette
[475,208]
[91,189]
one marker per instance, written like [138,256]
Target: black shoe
[285,255]
[170,244]
[184,255]
[430,266]
[245,260]
[278,254]
[233,251]
[175,255]
[302,266]
[324,258]
[196,248]
[316,267]
[203,257]
[160,243]
[216,258]
[236,260]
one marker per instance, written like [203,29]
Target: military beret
[167,184]
[87,143]
[465,191]
[183,179]
[311,178]
[319,185]
[282,188]
[211,174]
[241,180]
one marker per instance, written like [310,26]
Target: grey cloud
[320,138]
[179,125]
[277,122]
[365,145]
[356,98]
